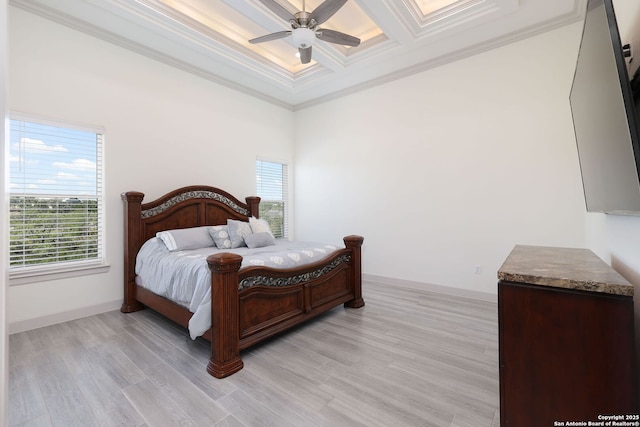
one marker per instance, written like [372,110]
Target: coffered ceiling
[398,37]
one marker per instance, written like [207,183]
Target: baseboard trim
[52,319]
[439,289]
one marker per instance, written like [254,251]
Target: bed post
[132,217]
[254,206]
[225,315]
[355,244]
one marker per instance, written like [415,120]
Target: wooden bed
[239,318]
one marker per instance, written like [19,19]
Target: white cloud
[31,145]
[47,181]
[65,175]
[78,164]
[18,159]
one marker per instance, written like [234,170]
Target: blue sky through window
[51,160]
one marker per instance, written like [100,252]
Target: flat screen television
[604,116]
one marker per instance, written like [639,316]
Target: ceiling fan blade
[305,55]
[326,10]
[269,37]
[337,37]
[278,10]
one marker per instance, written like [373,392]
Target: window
[272,187]
[55,190]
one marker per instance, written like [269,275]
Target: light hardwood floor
[408,358]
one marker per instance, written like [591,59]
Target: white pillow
[259,225]
[186,238]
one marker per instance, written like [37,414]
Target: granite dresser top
[568,268]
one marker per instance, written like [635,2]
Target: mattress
[184,276]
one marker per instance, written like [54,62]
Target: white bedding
[184,276]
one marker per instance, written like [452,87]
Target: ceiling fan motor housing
[303,19]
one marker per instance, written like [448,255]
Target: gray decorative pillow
[237,230]
[220,235]
[258,240]
[186,238]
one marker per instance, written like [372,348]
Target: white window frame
[286,199]
[61,270]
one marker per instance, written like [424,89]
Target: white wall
[448,169]
[164,129]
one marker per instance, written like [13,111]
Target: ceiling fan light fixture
[304,27]
[303,37]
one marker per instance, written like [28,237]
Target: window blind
[55,179]
[272,184]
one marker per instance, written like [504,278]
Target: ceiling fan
[304,27]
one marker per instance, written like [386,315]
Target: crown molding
[400,51]
[567,19]
[107,36]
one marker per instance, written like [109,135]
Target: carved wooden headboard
[192,206]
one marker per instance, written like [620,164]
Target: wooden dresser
[566,339]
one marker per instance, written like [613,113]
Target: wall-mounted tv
[604,116]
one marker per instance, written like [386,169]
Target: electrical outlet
[477,269]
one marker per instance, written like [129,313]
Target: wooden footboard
[271,301]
